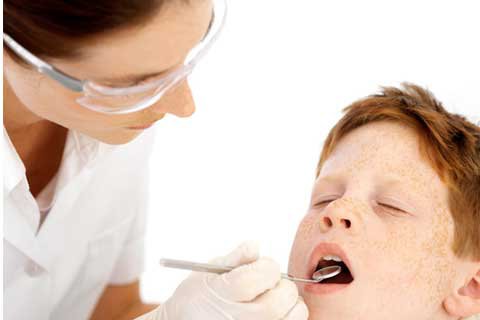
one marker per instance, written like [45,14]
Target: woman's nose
[179,101]
[184,105]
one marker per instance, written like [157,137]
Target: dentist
[82,83]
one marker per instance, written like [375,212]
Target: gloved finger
[299,311]
[246,282]
[247,252]
[277,302]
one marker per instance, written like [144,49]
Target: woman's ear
[465,301]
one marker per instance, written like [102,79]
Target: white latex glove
[252,291]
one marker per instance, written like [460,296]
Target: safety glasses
[121,100]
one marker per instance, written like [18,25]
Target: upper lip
[323,249]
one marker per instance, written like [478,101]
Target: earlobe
[465,301]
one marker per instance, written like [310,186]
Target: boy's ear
[466,301]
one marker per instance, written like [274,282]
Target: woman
[83,80]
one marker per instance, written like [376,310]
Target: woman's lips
[146,126]
[141,127]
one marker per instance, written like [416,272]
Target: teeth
[334,258]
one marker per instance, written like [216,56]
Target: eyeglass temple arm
[65,80]
[43,67]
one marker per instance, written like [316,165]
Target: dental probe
[318,276]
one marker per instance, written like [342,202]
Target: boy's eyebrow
[392,181]
[385,182]
[329,178]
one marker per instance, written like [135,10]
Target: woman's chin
[118,137]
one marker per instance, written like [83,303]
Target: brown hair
[57,28]
[448,141]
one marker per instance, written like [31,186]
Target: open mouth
[326,255]
[344,277]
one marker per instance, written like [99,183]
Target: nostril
[347,223]
[328,222]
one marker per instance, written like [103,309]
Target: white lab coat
[92,235]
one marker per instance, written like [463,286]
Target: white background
[267,95]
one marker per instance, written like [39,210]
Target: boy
[396,204]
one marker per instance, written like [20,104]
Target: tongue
[343,278]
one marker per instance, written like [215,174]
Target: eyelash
[390,207]
[384,205]
[324,202]
[394,211]
[144,81]
[138,83]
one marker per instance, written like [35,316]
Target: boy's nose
[330,222]
[336,218]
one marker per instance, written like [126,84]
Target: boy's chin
[323,308]
[342,312]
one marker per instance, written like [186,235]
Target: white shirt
[91,237]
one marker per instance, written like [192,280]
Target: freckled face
[400,232]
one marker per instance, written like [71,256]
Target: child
[396,204]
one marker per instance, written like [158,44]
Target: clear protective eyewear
[120,100]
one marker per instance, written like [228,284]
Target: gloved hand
[252,291]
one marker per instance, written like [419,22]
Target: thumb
[246,253]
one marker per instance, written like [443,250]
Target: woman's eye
[142,82]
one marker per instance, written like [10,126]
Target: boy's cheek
[308,228]
[442,226]
[302,243]
[416,260]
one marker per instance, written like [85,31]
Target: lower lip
[326,288]
[140,127]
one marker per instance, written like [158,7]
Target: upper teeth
[334,258]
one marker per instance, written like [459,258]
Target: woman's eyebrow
[134,79]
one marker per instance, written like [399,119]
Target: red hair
[449,142]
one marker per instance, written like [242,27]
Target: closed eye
[323,203]
[391,208]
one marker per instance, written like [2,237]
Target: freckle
[307,227]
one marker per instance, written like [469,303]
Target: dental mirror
[318,276]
